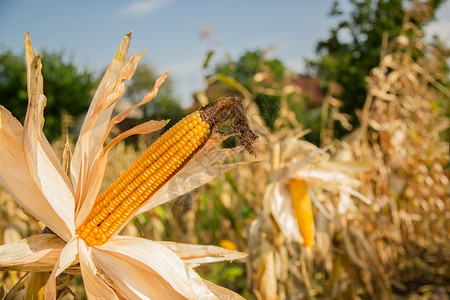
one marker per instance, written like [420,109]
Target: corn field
[361,217]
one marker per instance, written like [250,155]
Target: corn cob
[162,160]
[302,210]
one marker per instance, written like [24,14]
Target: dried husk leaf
[37,253]
[22,186]
[221,292]
[194,254]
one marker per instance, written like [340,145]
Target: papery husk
[137,260]
[195,254]
[37,253]
[221,292]
[44,166]
[22,186]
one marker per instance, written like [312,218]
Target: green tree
[13,84]
[244,70]
[354,46]
[65,86]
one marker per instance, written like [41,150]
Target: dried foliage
[399,243]
[405,134]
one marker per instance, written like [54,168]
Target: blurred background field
[370,110]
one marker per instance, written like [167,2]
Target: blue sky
[90,31]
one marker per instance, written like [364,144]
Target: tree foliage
[354,46]
[13,84]
[244,70]
[66,87]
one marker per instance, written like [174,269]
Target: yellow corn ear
[147,174]
[303,210]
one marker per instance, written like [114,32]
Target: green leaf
[208,58]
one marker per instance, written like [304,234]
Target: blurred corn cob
[302,210]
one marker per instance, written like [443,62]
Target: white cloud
[143,7]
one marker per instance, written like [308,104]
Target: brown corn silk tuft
[303,210]
[225,108]
[161,161]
